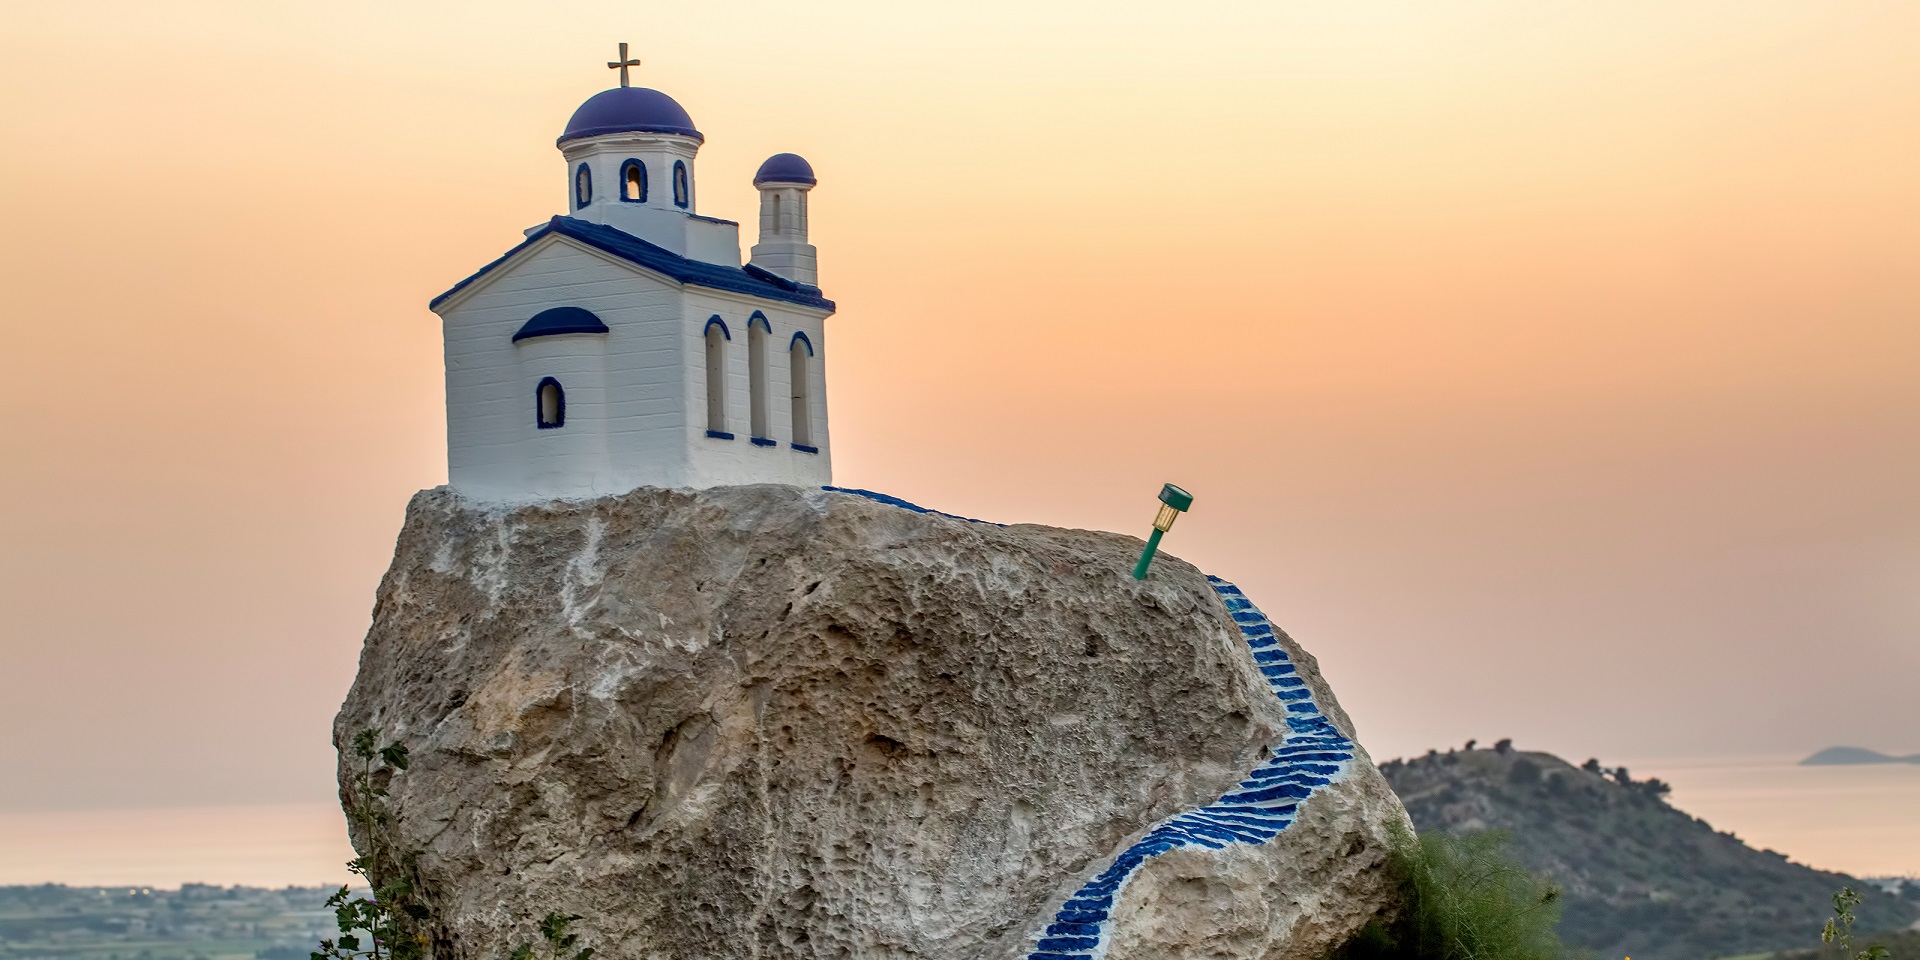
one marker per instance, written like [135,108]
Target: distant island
[1835,756]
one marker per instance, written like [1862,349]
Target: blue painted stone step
[1313,754]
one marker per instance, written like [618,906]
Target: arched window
[717,337]
[633,182]
[758,329]
[682,189]
[549,405]
[798,355]
[582,187]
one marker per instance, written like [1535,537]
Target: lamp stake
[1175,501]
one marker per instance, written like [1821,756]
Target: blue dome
[785,168]
[557,320]
[629,110]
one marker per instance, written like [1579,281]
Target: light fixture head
[1175,497]
[1163,521]
[1173,502]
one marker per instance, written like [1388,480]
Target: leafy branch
[1839,928]
[390,917]
[559,943]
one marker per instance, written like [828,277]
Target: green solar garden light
[1173,502]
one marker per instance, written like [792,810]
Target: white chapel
[625,343]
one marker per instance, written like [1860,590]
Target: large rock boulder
[779,723]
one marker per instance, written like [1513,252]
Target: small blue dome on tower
[630,110]
[785,168]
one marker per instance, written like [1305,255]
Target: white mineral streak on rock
[583,573]
[779,723]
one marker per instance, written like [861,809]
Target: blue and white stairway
[1313,754]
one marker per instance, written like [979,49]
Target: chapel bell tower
[783,182]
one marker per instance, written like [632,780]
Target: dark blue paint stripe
[1312,755]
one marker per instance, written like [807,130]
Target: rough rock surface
[771,722]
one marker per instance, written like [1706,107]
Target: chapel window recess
[757,378]
[550,405]
[798,356]
[633,182]
[717,382]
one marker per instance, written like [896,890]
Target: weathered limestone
[775,723]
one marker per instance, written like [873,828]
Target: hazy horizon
[1866,828]
[1549,372]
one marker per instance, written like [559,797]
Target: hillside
[1901,945]
[1641,878]
[194,922]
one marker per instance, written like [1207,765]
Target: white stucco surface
[783,246]
[635,396]
[636,411]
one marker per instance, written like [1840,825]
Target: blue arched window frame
[626,170]
[800,336]
[715,321]
[582,186]
[682,185]
[559,420]
[761,319]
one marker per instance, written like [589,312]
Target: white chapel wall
[624,420]
[658,220]
[569,460]
[715,462]
[713,241]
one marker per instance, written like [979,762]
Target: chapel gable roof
[750,280]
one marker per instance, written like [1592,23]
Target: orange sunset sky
[1550,370]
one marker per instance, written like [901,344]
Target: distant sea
[256,846]
[1857,819]
[1863,820]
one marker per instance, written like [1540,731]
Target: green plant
[560,943]
[1839,928]
[1462,897]
[391,916]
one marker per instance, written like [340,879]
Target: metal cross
[623,64]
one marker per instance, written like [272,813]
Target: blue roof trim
[558,320]
[761,273]
[905,505]
[800,337]
[750,280]
[715,321]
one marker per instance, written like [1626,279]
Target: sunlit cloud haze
[1550,370]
